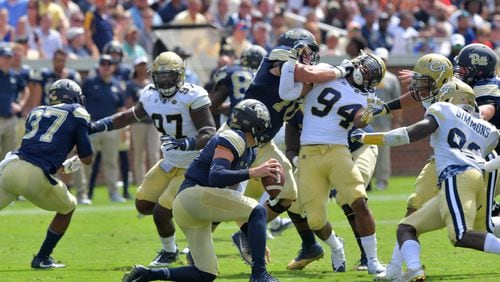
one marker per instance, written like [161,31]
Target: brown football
[272,185]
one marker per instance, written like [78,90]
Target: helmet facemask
[422,87]
[168,82]
[309,57]
[368,72]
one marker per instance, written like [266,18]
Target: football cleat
[306,256]
[392,272]
[375,267]
[265,277]
[362,264]
[414,275]
[284,224]
[165,258]
[240,240]
[138,273]
[45,263]
[338,258]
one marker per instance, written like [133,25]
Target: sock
[397,258]
[361,249]
[491,244]
[168,244]
[257,224]
[334,242]
[159,274]
[275,223]
[369,244]
[308,238]
[185,273]
[410,250]
[49,244]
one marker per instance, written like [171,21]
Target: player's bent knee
[316,222]
[258,212]
[144,207]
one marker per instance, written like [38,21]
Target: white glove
[492,165]
[71,165]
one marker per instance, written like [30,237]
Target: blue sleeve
[83,144]
[221,174]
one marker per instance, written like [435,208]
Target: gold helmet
[167,73]
[369,70]
[458,93]
[430,73]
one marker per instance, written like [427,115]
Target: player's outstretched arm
[119,120]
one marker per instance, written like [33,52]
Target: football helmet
[430,73]
[252,56]
[168,72]
[475,62]
[251,116]
[369,70]
[458,93]
[114,47]
[65,91]
[300,37]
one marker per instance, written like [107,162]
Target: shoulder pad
[81,112]
[279,55]
[235,139]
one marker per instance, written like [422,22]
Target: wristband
[188,144]
[393,105]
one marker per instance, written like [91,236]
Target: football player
[265,88]
[231,82]
[51,133]
[430,73]
[210,193]
[460,140]
[181,113]
[330,110]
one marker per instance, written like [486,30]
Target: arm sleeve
[221,174]
[83,144]
[289,89]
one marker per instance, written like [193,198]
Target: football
[274,185]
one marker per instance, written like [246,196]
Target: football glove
[373,111]
[358,135]
[170,143]
[71,165]
[345,68]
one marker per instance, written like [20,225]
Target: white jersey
[172,117]
[329,110]
[461,139]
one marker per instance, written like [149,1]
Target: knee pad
[277,207]
[296,218]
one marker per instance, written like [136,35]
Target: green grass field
[105,239]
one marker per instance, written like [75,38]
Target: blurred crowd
[115,32]
[83,27]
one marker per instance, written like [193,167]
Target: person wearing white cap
[388,89]
[457,42]
[76,43]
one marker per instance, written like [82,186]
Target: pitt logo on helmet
[475,59]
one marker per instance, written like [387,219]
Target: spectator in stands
[7,32]
[18,52]
[355,45]
[278,27]
[135,12]
[69,7]
[145,137]
[238,39]
[369,29]
[266,8]
[76,19]
[220,17]
[16,9]
[192,15]
[425,13]
[12,86]
[40,81]
[464,27]
[131,47]
[59,21]
[146,36]
[314,7]
[242,15]
[331,46]
[29,21]
[382,37]
[483,33]
[76,43]
[404,35]
[49,39]
[103,96]
[260,35]
[387,90]
[174,7]
[98,27]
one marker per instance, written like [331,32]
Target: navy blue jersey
[11,85]
[265,88]
[487,92]
[234,140]
[52,132]
[47,77]
[236,79]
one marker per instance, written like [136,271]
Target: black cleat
[138,273]
[164,258]
[265,277]
[45,263]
